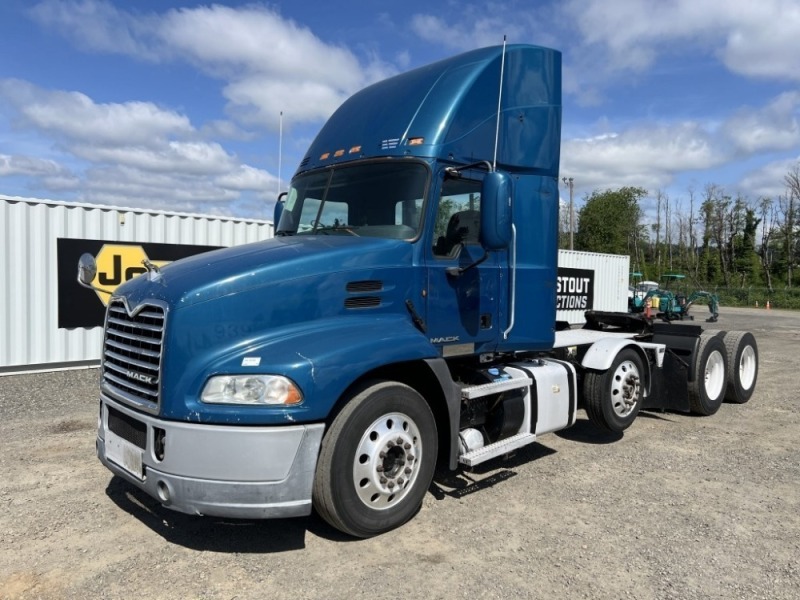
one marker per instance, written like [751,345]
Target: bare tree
[693,262]
[789,211]
[668,228]
[769,222]
[717,232]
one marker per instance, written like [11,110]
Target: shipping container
[590,281]
[47,321]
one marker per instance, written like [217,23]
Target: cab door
[464,282]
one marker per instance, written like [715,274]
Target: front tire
[614,397]
[707,390]
[376,461]
[742,353]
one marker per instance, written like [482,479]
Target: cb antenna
[280,150]
[499,101]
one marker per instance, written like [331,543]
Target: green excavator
[669,305]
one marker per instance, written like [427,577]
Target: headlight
[250,389]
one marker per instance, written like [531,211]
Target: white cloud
[27,165]
[466,26]
[98,25]
[124,186]
[248,178]
[758,38]
[259,100]
[773,127]
[462,36]
[269,63]
[769,180]
[645,155]
[137,152]
[77,117]
[190,158]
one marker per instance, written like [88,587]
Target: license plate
[126,455]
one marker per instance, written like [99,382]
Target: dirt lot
[679,507]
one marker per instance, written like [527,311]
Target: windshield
[377,199]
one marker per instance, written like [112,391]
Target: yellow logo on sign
[116,264]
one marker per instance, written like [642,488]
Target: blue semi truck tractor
[401,320]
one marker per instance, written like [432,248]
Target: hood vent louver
[362,302]
[363,287]
[359,287]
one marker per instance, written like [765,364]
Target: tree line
[716,240]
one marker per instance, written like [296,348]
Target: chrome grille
[132,352]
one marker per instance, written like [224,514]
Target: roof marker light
[355,149]
[338,153]
[325,156]
[416,141]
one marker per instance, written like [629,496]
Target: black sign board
[575,289]
[117,262]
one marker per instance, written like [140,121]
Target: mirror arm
[455,172]
[459,271]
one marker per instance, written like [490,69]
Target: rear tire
[613,397]
[707,390]
[376,461]
[742,353]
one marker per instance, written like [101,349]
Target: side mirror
[87,270]
[496,211]
[278,211]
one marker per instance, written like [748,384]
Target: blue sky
[175,105]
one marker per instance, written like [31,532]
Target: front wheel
[376,461]
[614,397]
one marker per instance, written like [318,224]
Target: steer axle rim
[386,462]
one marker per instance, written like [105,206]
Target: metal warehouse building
[48,321]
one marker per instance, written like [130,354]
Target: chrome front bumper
[217,470]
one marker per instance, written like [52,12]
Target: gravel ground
[678,507]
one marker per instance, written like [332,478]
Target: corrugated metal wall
[611,274]
[29,335]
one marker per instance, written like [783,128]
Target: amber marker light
[325,156]
[338,153]
[417,141]
[355,149]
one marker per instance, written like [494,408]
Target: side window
[458,217]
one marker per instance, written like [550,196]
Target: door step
[495,387]
[505,446]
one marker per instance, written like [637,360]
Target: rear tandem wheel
[742,353]
[707,390]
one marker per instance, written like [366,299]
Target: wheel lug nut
[399,441]
[410,457]
[383,479]
[389,444]
[400,481]
[391,484]
[407,446]
[408,471]
[379,468]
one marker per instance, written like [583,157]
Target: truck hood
[229,271]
